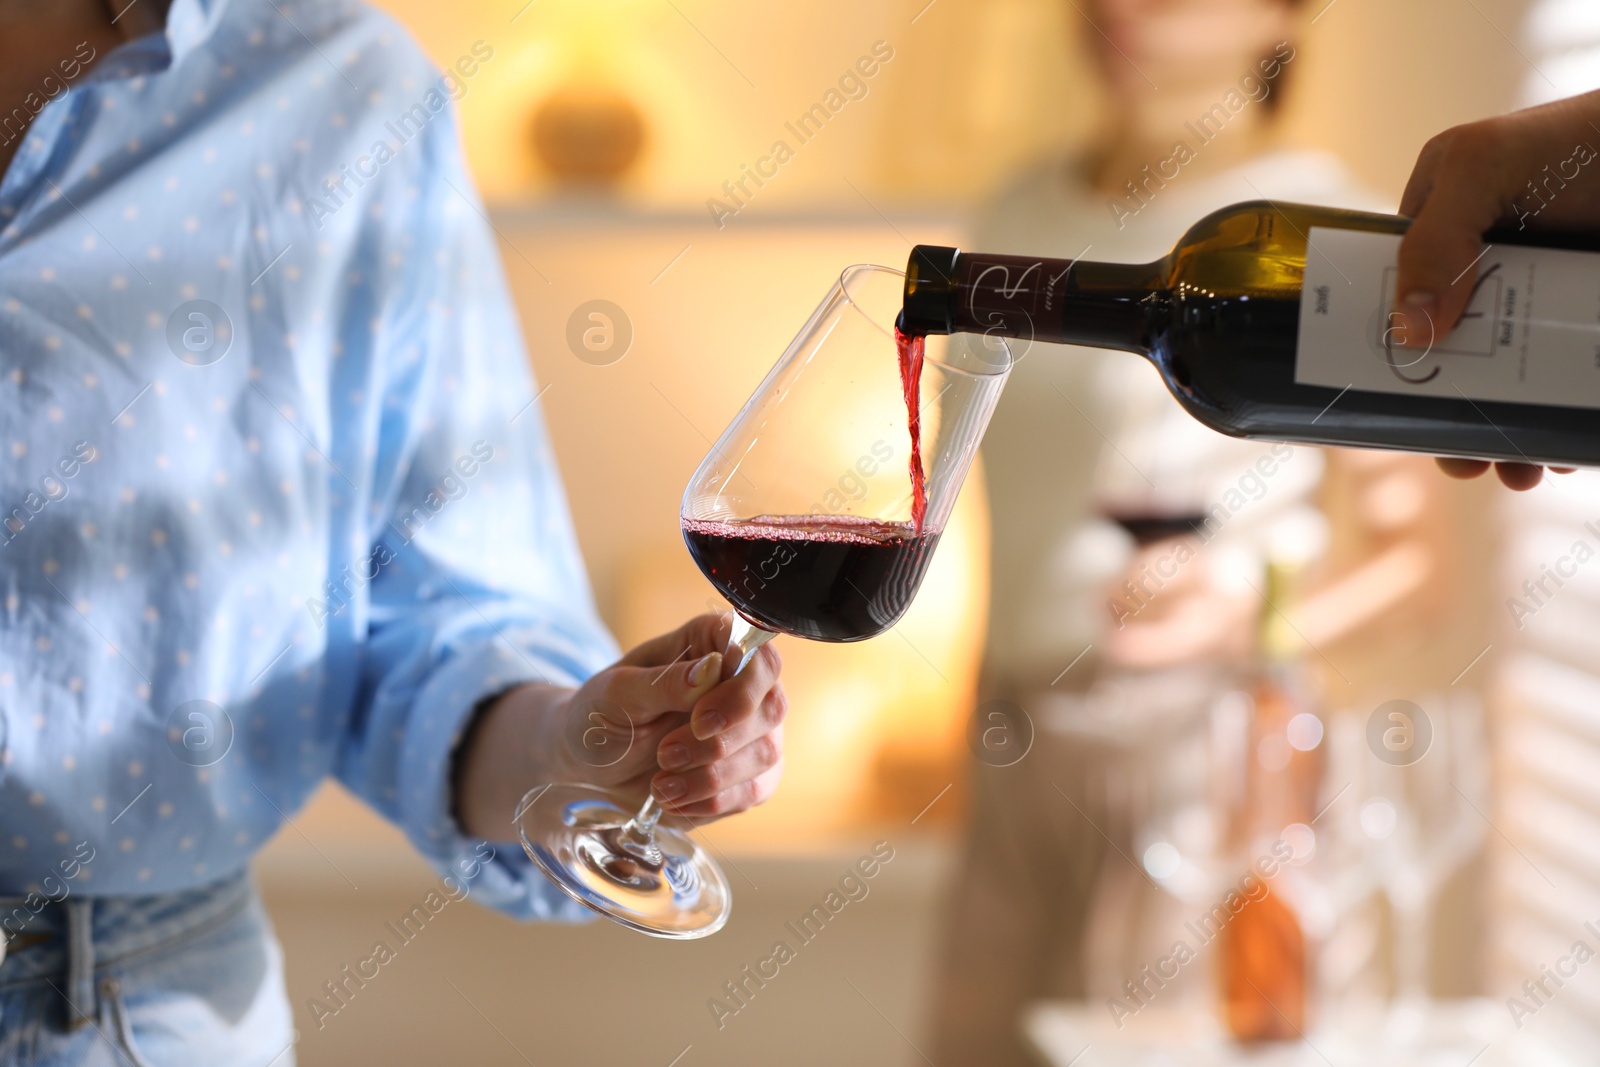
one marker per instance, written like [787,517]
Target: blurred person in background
[1096,478]
[278,506]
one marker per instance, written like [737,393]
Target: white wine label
[1531,334]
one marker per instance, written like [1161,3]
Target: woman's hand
[1498,172]
[661,720]
[1176,604]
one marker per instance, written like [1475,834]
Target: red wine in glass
[825,578]
[1148,528]
[838,578]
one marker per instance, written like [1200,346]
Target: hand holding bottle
[1526,170]
[1270,321]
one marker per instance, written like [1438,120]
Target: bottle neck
[1079,302]
[1280,646]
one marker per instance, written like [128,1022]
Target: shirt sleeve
[475,580]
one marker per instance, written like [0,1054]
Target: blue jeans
[191,978]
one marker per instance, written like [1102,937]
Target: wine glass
[816,514]
[1424,819]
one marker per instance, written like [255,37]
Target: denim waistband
[66,941]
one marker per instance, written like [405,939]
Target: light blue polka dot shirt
[277,500]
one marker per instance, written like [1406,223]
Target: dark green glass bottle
[1274,321]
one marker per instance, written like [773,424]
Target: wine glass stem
[639,831]
[1412,945]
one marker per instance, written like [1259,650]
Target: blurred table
[1451,1033]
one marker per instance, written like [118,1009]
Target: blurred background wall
[684,94]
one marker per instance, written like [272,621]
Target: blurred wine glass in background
[1421,809]
[1158,786]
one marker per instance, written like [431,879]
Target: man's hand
[1469,179]
[661,720]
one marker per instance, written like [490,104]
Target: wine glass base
[573,833]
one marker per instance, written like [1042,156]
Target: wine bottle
[1263,952]
[1275,321]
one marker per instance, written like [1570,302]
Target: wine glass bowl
[803,514]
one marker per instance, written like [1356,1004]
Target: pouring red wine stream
[910,348]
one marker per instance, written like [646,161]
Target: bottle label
[1011,295]
[1531,334]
